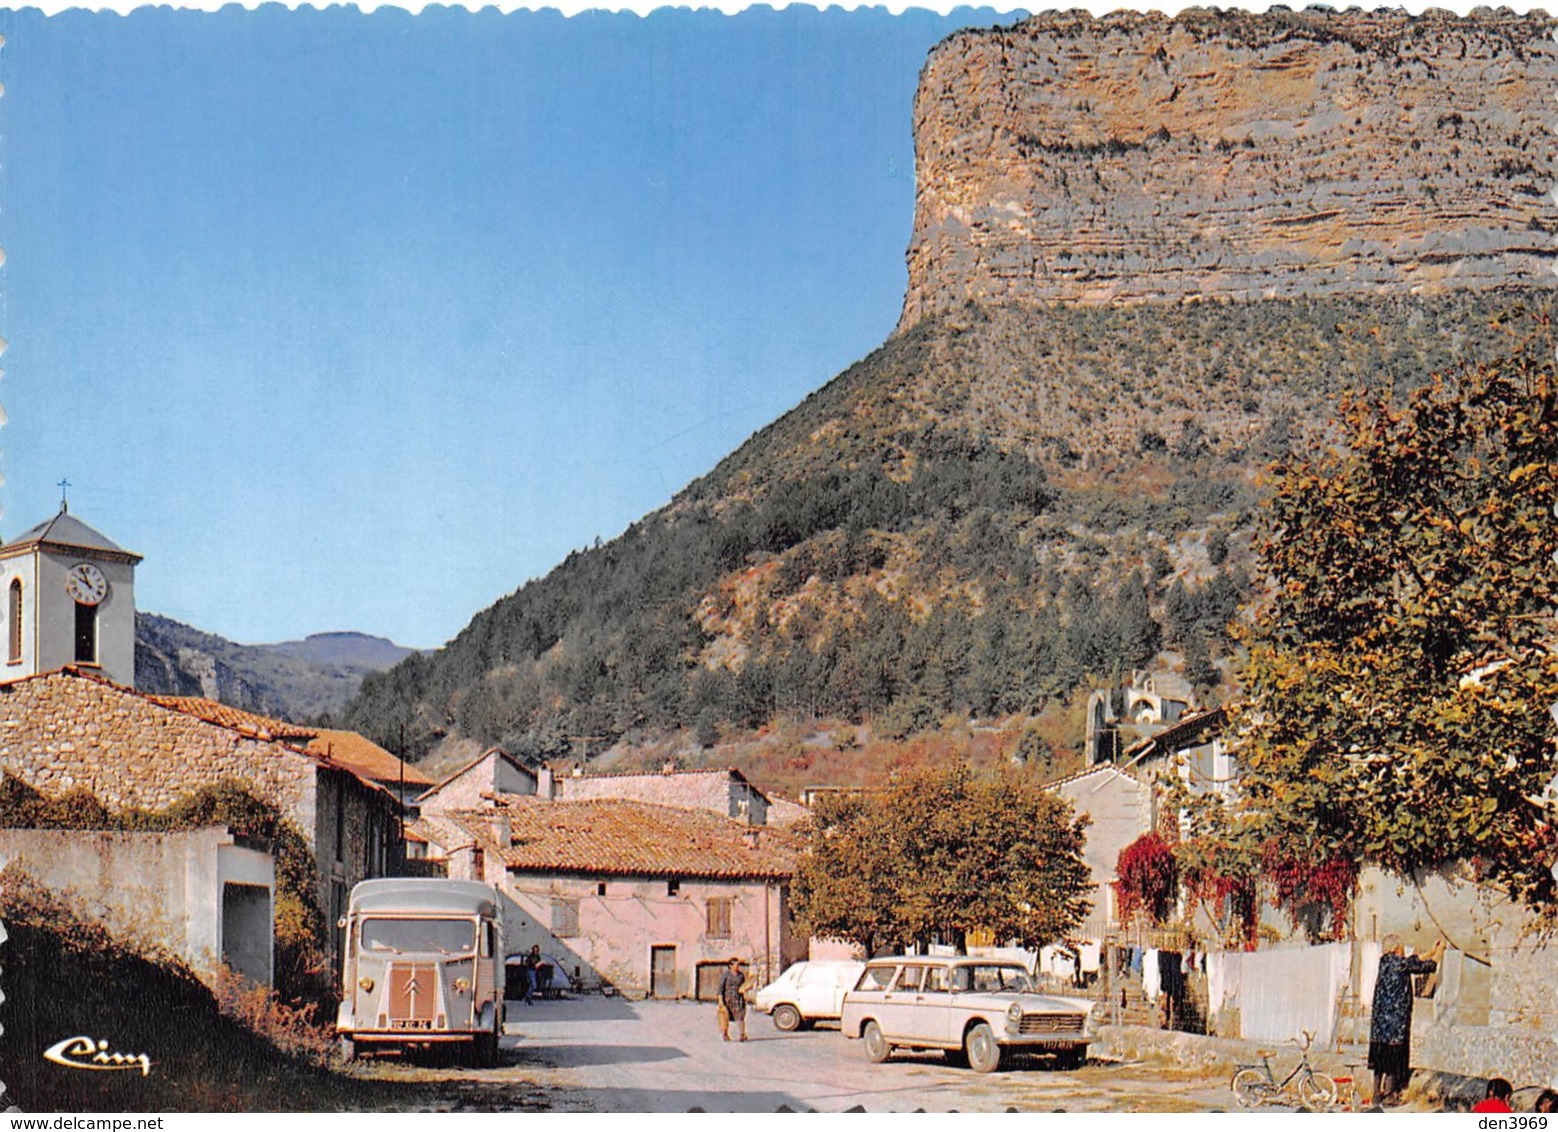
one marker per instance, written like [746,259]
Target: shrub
[292,1029]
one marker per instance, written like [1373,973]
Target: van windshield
[447,937]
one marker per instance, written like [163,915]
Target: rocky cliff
[1139,158]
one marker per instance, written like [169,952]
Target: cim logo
[88,1053]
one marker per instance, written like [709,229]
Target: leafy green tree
[1401,675]
[941,853]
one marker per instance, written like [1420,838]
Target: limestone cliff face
[1139,158]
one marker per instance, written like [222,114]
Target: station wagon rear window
[398,937]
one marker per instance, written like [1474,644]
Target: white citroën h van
[423,964]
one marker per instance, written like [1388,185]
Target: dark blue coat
[1391,1019]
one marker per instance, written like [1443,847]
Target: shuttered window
[718,911]
[565,917]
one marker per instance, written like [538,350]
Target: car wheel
[485,1048]
[787,1018]
[877,1048]
[984,1054]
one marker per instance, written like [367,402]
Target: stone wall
[717,791]
[1496,1011]
[62,732]
[158,891]
[1139,158]
[491,774]
[355,838]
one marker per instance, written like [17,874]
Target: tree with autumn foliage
[1148,883]
[941,853]
[1402,671]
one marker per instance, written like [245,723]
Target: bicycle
[1256,1085]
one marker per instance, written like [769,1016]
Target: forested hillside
[997,508]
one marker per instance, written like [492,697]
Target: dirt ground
[611,1055]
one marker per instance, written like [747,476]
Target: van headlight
[366,984]
[462,986]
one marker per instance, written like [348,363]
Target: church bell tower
[69,598]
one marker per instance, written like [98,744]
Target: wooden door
[662,972]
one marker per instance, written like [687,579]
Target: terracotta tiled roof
[612,836]
[364,757]
[1179,735]
[260,726]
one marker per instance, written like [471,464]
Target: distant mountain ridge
[299,681]
[349,650]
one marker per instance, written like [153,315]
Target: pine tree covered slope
[995,508]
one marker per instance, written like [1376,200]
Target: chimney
[502,830]
[669,767]
[546,785]
[749,837]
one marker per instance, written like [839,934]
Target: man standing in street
[533,968]
[732,1000]
[1390,1022]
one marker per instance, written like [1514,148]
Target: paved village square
[593,1055]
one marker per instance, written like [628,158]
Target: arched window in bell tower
[14,612]
[86,634]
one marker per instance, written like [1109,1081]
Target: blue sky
[355,321]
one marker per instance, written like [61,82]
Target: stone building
[497,773]
[648,899]
[646,882]
[1124,796]
[726,792]
[492,773]
[1121,718]
[1122,807]
[73,730]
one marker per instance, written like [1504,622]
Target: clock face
[86,584]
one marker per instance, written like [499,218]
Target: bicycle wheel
[1317,1090]
[1252,1088]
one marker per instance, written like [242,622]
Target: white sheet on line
[1282,993]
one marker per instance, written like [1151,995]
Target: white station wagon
[979,1009]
